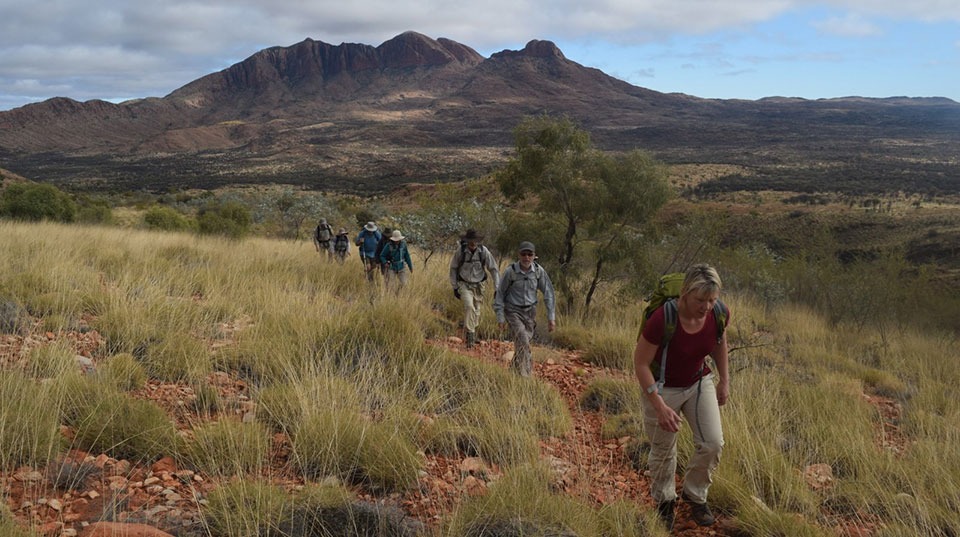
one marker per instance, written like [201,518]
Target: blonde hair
[701,279]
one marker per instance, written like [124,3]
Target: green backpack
[666,295]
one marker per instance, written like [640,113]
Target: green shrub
[229,219]
[94,210]
[246,508]
[122,371]
[123,427]
[29,421]
[228,447]
[37,201]
[611,350]
[389,460]
[283,406]
[51,360]
[612,396]
[571,337]
[165,219]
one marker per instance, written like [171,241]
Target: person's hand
[668,420]
[723,392]
[456,293]
[551,325]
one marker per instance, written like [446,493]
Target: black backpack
[324,227]
[341,243]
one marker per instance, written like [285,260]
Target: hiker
[698,321]
[380,244]
[516,303]
[322,238]
[393,256]
[366,242]
[468,275]
[341,245]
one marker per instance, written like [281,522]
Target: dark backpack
[666,295]
[464,250]
[322,227]
[341,243]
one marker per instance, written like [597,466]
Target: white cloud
[850,25]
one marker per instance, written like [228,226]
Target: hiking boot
[665,512]
[699,512]
[471,339]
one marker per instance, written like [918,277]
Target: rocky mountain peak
[536,48]
[411,49]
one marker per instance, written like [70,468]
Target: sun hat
[396,236]
[370,226]
[472,235]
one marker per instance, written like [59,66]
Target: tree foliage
[37,201]
[599,199]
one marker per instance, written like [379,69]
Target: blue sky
[747,49]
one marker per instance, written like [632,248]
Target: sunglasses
[526,254]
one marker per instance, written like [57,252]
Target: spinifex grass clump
[522,502]
[179,358]
[228,447]
[122,371]
[51,361]
[111,422]
[613,396]
[71,474]
[244,508]
[29,421]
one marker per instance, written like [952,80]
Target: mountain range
[415,109]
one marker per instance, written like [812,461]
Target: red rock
[165,464]
[114,529]
[50,528]
[49,335]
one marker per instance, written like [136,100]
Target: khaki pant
[396,279]
[707,440]
[522,324]
[369,266]
[471,294]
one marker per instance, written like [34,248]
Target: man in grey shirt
[516,303]
[468,275]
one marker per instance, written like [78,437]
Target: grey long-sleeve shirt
[472,266]
[519,289]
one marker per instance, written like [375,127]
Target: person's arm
[492,268]
[454,266]
[720,358]
[406,257]
[499,297]
[643,356]
[382,258]
[549,299]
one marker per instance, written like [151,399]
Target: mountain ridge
[318,114]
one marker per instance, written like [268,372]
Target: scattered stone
[197,478]
[818,476]
[507,356]
[101,460]
[166,464]
[117,529]
[55,504]
[331,481]
[26,505]
[249,417]
[762,505]
[474,466]
[455,340]
[86,364]
[550,361]
[474,486]
[150,481]
[68,533]
[28,477]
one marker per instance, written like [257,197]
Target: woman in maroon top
[688,389]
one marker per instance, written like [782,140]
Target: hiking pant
[471,294]
[396,279]
[340,256]
[325,247]
[704,419]
[369,266]
[522,323]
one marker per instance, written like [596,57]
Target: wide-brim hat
[342,230]
[323,220]
[396,235]
[472,235]
[370,226]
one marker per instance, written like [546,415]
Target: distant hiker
[383,242]
[323,237]
[341,245]
[367,244]
[468,275]
[393,256]
[690,327]
[516,303]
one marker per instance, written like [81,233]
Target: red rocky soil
[165,496]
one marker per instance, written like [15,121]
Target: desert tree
[596,197]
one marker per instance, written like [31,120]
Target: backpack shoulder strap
[670,319]
[722,315]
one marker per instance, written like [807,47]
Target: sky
[729,49]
